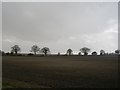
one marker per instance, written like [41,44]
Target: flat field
[60,72]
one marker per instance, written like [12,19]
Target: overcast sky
[60,25]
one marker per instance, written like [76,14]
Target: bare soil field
[60,72]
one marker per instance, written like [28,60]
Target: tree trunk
[45,53]
[16,51]
[35,53]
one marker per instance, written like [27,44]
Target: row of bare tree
[34,48]
[15,49]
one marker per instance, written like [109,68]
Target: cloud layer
[60,25]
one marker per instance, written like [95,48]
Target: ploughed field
[60,72]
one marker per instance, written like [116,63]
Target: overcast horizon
[60,25]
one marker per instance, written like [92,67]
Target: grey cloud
[53,22]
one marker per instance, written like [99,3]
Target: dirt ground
[60,72]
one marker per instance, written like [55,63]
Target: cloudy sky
[60,25]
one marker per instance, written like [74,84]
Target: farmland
[60,72]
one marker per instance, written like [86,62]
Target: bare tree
[102,52]
[45,50]
[69,51]
[85,50]
[35,49]
[15,49]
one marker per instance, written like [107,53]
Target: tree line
[45,50]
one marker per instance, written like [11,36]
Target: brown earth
[60,72]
